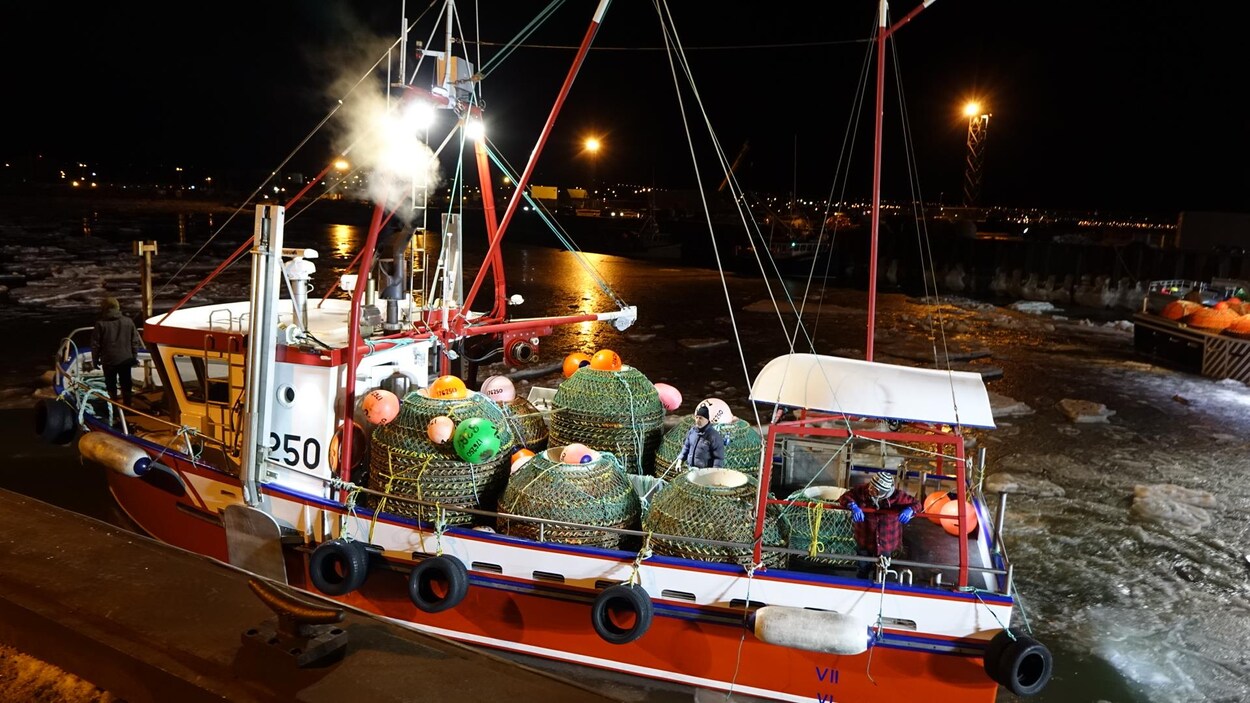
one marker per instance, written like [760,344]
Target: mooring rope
[883,563]
[746,610]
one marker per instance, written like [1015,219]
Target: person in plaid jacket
[880,531]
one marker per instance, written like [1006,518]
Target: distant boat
[331,445]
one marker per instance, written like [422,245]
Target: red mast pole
[353,343]
[524,180]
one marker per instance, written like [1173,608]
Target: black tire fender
[1026,665]
[1022,666]
[55,421]
[438,583]
[622,613]
[994,653]
[339,566]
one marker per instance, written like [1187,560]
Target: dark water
[1132,610]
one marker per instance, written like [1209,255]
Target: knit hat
[702,412]
[110,303]
[884,481]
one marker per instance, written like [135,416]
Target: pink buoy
[670,397]
[380,406]
[717,410]
[440,429]
[576,453]
[499,389]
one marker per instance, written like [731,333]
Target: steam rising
[389,149]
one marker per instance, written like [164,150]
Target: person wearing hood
[879,532]
[704,446]
[115,345]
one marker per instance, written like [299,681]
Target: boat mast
[884,30]
[261,350]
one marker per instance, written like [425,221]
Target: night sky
[1118,107]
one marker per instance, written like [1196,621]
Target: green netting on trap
[527,423]
[404,462]
[595,494]
[611,411]
[694,505]
[743,448]
[821,527]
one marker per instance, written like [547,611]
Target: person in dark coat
[704,446]
[881,531]
[115,346]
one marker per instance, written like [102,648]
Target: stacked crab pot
[611,411]
[585,496]
[405,461]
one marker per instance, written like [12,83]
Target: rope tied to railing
[1018,601]
[815,511]
[184,433]
[883,565]
[643,553]
[440,526]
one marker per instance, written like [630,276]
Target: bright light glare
[972,109]
[419,114]
[474,129]
[592,144]
[341,165]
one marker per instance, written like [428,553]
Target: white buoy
[812,630]
[114,453]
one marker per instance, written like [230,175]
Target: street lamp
[592,146]
[978,131]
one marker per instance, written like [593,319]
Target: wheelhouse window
[203,379]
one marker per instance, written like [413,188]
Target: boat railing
[71,376]
[645,537]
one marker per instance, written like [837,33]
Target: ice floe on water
[1177,508]
[1085,410]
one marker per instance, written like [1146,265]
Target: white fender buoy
[812,630]
[114,453]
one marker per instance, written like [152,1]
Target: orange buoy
[1239,328]
[1214,319]
[951,508]
[605,360]
[519,457]
[575,361]
[1178,309]
[448,388]
[933,505]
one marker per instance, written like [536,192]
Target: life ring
[438,583]
[55,421]
[622,613]
[1021,665]
[339,566]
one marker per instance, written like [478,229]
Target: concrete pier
[153,623]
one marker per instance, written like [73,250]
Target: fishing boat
[332,445]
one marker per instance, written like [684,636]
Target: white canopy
[871,389]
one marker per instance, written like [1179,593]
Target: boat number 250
[295,449]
